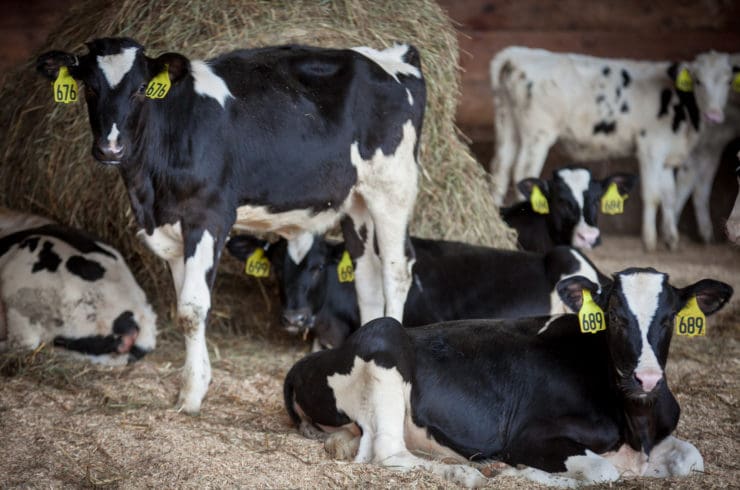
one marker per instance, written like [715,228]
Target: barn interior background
[108,428]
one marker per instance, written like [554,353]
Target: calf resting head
[640,308]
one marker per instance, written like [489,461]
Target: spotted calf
[574,408]
[60,286]
[602,108]
[286,139]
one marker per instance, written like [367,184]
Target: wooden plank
[602,15]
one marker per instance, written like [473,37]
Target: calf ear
[49,63]
[177,65]
[242,246]
[525,187]
[711,295]
[625,182]
[571,289]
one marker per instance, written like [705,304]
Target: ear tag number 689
[590,316]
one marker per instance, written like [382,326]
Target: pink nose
[586,236]
[648,379]
[715,115]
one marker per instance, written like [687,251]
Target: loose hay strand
[46,166]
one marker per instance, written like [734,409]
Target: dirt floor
[70,424]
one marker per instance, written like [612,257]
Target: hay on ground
[46,166]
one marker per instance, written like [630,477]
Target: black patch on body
[77,239]
[618,92]
[625,108]
[665,100]
[643,133]
[31,243]
[606,71]
[48,259]
[88,270]
[529,90]
[626,79]
[605,127]
[600,98]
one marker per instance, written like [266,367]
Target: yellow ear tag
[159,85]
[345,271]
[684,83]
[257,264]
[612,202]
[65,87]
[690,321]
[590,316]
[539,201]
[736,82]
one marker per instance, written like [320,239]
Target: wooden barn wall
[639,29]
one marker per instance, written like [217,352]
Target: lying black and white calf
[585,407]
[59,285]
[452,281]
[572,203]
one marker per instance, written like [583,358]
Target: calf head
[711,74]
[573,197]
[640,308]
[115,73]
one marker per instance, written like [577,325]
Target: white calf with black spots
[605,108]
[60,286]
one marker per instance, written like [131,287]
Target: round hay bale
[47,168]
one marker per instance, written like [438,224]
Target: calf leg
[506,149]
[534,146]
[193,305]
[674,457]
[669,226]
[651,171]
[359,238]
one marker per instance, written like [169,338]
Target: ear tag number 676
[65,87]
[158,86]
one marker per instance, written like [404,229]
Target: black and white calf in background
[285,139]
[452,281]
[573,198]
[733,222]
[602,108]
[574,407]
[695,178]
[60,286]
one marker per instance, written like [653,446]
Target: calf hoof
[188,405]
[672,243]
[464,475]
[310,432]
[342,445]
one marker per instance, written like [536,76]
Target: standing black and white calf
[573,198]
[605,108]
[59,285]
[281,139]
[452,281]
[533,391]
[733,222]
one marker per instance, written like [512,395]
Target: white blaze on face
[299,246]
[578,180]
[208,84]
[390,60]
[116,66]
[642,290]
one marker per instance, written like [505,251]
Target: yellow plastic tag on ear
[736,82]
[684,82]
[65,87]
[159,85]
[345,271]
[612,202]
[257,264]
[590,316]
[690,321]
[539,201]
